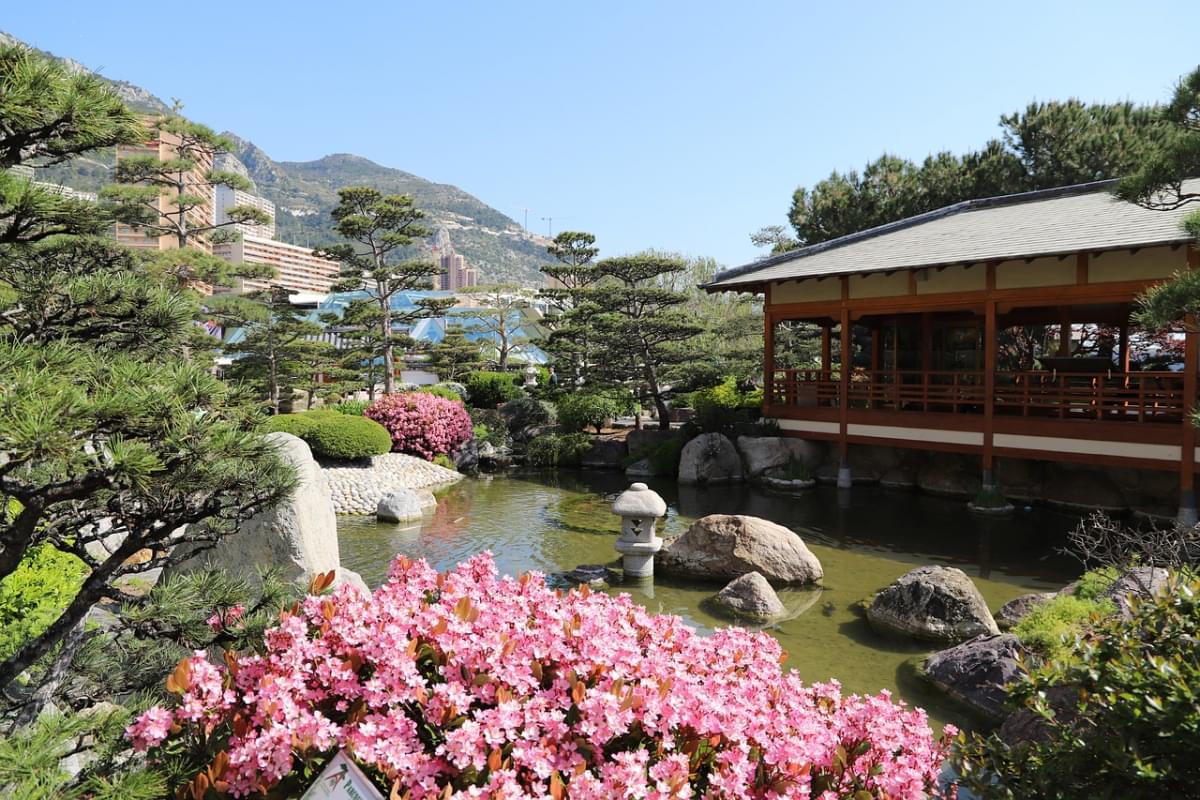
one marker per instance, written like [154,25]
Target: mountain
[304,192]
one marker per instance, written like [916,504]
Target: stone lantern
[639,509]
[531,374]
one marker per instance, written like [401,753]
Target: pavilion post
[989,391]
[1064,331]
[1123,345]
[844,479]
[826,349]
[768,359]
[1187,460]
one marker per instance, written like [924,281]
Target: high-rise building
[164,147]
[455,273]
[227,198]
[295,267]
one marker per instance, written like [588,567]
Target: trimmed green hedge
[490,389]
[335,436]
[591,409]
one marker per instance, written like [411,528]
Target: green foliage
[1046,145]
[721,408]
[557,450]
[443,460]
[440,390]
[490,426]
[490,389]
[455,355]
[352,408]
[526,412]
[664,459]
[336,436]
[592,409]
[1050,629]
[1120,713]
[1095,582]
[35,594]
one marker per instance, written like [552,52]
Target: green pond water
[865,538]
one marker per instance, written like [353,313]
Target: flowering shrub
[422,424]
[465,684]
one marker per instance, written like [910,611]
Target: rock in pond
[1015,610]
[298,536]
[710,458]
[401,505]
[761,453]
[977,672]
[594,575]
[936,604]
[727,546]
[750,596]
[1141,582]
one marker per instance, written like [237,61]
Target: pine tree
[570,310]
[455,355]
[112,445]
[278,350]
[502,320]
[170,197]
[378,228]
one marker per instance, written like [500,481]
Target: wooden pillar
[768,359]
[846,364]
[826,348]
[1123,345]
[989,375]
[876,346]
[1191,362]
[926,357]
[1064,332]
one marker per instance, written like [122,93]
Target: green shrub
[1050,628]
[664,459]
[526,412]
[352,408]
[35,594]
[489,425]
[441,390]
[725,407]
[591,409]
[1095,582]
[490,389]
[1120,713]
[558,450]
[335,436]
[443,460]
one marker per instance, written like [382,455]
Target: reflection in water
[865,537]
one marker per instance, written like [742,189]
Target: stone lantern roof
[639,501]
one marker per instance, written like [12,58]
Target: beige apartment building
[455,273]
[295,267]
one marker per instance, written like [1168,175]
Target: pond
[865,538]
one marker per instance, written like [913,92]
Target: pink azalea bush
[465,684]
[422,424]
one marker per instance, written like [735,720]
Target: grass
[1050,629]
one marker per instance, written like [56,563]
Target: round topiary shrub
[592,409]
[422,424]
[490,389]
[335,436]
[345,438]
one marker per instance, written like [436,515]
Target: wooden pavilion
[917,320]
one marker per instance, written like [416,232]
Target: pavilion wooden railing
[1114,396]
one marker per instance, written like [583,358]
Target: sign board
[342,780]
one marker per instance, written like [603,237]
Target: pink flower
[219,620]
[422,424]
[150,729]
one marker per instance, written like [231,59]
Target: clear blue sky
[677,125]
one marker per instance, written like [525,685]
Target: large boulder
[643,440]
[750,596]
[402,505]
[298,537]
[1077,489]
[1141,582]
[978,672]
[604,454]
[1015,610]
[761,453]
[936,604]
[727,546]
[950,476]
[710,458]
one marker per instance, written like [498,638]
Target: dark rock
[466,458]
[1082,489]
[646,439]
[950,476]
[938,604]
[977,672]
[1014,610]
[605,454]
[1141,582]
[1025,726]
[594,575]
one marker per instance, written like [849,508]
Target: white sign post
[342,780]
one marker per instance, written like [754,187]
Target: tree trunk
[389,357]
[664,413]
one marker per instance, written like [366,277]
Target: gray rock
[298,537]
[1141,582]
[605,454]
[1015,610]
[949,476]
[595,575]
[725,546]
[349,576]
[646,439]
[938,604]
[401,505]
[978,672]
[710,458]
[750,596]
[1082,489]
[466,457]
[640,469]
[761,453]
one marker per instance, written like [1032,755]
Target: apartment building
[295,267]
[455,273]
[227,198]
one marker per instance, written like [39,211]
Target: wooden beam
[826,348]
[768,358]
[876,346]
[1191,362]
[912,282]
[1123,343]
[844,387]
[989,384]
[1081,269]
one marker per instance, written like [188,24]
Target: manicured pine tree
[169,197]
[279,348]
[112,445]
[455,355]
[569,319]
[378,228]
